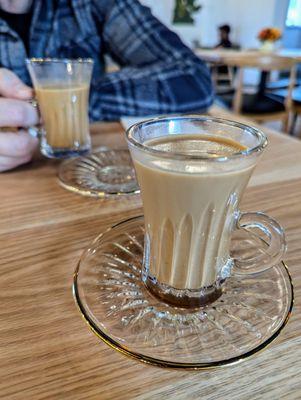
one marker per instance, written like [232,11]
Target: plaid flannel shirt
[158,74]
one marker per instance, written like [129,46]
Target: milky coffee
[65,116]
[188,210]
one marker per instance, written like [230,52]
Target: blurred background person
[224,37]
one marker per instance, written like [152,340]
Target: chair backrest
[264,63]
[235,46]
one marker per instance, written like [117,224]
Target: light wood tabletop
[223,55]
[48,352]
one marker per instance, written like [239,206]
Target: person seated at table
[158,73]
[224,77]
[224,37]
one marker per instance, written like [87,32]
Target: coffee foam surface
[208,146]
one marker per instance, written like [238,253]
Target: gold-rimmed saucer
[121,311]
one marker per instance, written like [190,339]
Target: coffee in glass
[192,172]
[62,93]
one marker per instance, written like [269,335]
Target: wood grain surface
[223,55]
[46,349]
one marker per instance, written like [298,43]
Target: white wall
[246,18]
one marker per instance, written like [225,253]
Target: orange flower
[271,34]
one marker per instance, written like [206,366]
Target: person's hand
[16,146]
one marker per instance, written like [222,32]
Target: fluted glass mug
[192,171]
[62,93]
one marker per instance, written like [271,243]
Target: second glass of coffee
[62,91]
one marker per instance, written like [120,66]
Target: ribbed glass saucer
[122,312]
[105,172]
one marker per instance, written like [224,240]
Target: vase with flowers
[268,37]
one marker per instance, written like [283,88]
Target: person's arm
[159,73]
[16,146]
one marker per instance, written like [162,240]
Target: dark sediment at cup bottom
[184,298]
[62,153]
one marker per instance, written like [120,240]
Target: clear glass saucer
[122,312]
[105,172]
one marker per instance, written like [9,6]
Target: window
[294,14]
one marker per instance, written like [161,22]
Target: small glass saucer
[105,172]
[121,311]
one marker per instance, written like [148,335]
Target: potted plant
[268,37]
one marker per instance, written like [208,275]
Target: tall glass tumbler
[62,92]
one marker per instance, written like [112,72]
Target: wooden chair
[281,94]
[296,113]
[223,75]
[260,106]
[222,78]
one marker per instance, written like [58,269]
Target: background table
[223,55]
[48,352]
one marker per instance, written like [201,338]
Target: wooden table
[48,352]
[220,56]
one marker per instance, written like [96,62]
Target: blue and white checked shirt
[159,74]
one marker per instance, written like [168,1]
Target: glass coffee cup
[62,94]
[192,172]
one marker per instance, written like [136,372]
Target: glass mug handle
[266,243]
[35,131]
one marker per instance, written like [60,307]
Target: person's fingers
[17,113]
[19,145]
[7,163]
[11,86]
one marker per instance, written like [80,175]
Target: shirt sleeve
[158,74]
